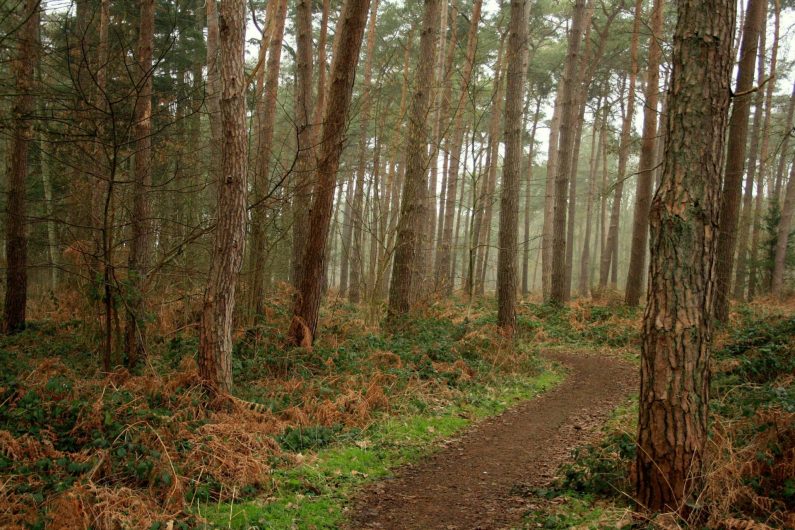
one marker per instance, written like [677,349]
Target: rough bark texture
[784,154]
[305,164]
[735,157]
[354,294]
[347,41]
[16,246]
[444,279]
[647,163]
[610,256]
[140,221]
[527,199]
[215,336]
[783,236]
[409,230]
[512,167]
[759,277]
[549,197]
[672,426]
[744,228]
[558,292]
[583,287]
[262,170]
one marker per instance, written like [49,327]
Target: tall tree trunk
[412,208]
[756,269]
[213,91]
[527,199]
[583,289]
[215,335]
[354,294]
[744,227]
[783,156]
[512,167]
[140,221]
[483,226]
[783,236]
[735,157]
[674,387]
[22,134]
[610,258]
[558,292]
[549,195]
[647,163]
[444,279]
[262,170]
[345,56]
[305,163]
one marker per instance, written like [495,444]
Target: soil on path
[468,484]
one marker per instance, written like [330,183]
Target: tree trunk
[735,157]
[345,56]
[512,167]
[412,214]
[647,163]
[753,154]
[140,221]
[262,170]
[305,163]
[783,156]
[583,289]
[549,196]
[610,257]
[527,200]
[354,294]
[672,425]
[22,134]
[783,236]
[558,293]
[213,91]
[444,280]
[215,335]
[756,269]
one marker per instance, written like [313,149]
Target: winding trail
[469,483]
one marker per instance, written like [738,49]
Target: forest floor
[477,479]
[352,425]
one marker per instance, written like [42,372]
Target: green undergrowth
[750,468]
[135,450]
[314,494]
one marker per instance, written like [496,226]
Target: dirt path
[467,484]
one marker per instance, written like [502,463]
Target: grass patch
[314,493]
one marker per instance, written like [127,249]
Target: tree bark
[305,163]
[140,221]
[744,227]
[412,208]
[549,196]
[647,163]
[354,294]
[756,269]
[527,200]
[347,42]
[672,426]
[444,279]
[735,157]
[215,335]
[610,257]
[262,170]
[783,237]
[16,246]
[512,167]
[558,293]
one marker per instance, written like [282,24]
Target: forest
[405,264]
